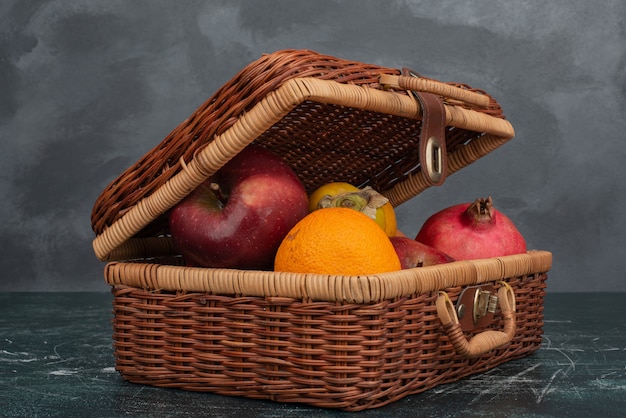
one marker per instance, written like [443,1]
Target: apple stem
[218,193]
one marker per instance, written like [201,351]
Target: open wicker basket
[347,342]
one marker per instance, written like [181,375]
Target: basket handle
[485,341]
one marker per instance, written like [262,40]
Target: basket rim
[269,110]
[330,288]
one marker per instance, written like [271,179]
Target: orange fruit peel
[338,241]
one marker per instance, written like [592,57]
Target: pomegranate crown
[481,211]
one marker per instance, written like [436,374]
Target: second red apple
[415,254]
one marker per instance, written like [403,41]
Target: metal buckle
[434,159]
[432,148]
[476,307]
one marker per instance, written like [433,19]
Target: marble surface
[56,359]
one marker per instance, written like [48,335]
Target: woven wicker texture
[332,355]
[164,276]
[328,118]
[346,342]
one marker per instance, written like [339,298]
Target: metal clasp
[476,307]
[434,159]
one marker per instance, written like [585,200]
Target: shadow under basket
[344,342]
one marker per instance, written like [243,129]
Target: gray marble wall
[87,87]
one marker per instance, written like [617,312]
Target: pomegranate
[471,231]
[415,254]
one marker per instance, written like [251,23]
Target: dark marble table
[56,359]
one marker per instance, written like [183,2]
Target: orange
[339,241]
[341,192]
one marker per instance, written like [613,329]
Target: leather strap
[432,141]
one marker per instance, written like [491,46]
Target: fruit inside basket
[347,341]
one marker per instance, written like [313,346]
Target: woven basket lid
[330,119]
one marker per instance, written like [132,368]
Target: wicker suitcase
[346,342]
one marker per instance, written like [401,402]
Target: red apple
[238,217]
[415,254]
